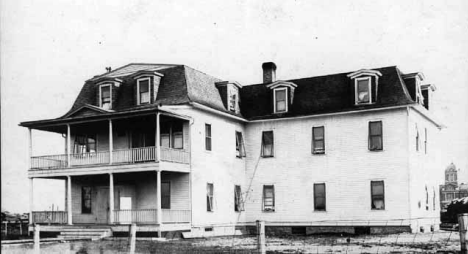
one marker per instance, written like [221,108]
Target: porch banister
[111,198]
[68,145]
[111,142]
[158,138]
[69,201]
[158,202]
[31,200]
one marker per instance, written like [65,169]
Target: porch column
[158,138]
[30,148]
[158,201]
[31,200]
[68,145]
[111,198]
[69,200]
[111,142]
[66,195]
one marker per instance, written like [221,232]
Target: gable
[87,110]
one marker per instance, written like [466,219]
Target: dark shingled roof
[324,94]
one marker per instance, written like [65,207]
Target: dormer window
[363,90]
[281,100]
[143,91]
[233,97]
[105,95]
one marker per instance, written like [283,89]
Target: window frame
[233,91]
[285,100]
[425,140]
[370,136]
[208,138]
[369,87]
[272,145]
[324,197]
[86,145]
[314,140]
[273,207]
[84,197]
[238,202]
[138,90]
[110,94]
[240,147]
[210,197]
[373,195]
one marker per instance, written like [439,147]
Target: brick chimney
[269,72]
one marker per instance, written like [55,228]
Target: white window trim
[100,94]
[138,89]
[274,99]
[369,85]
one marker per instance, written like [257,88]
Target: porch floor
[117,228]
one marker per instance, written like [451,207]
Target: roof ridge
[129,64]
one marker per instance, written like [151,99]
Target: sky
[49,48]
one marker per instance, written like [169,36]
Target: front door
[102,206]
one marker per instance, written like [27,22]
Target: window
[268,198]
[238,203]
[165,195]
[319,197]
[427,199]
[425,140]
[375,136]
[208,137]
[433,199]
[105,96]
[233,98]
[267,144]
[318,140]
[177,136]
[417,139]
[240,149]
[143,138]
[378,195]
[363,90]
[172,135]
[86,200]
[281,100]
[209,197]
[143,91]
[84,144]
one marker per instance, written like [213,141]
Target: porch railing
[52,217]
[123,156]
[148,216]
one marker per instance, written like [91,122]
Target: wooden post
[69,201]
[463,227]
[111,142]
[30,148]
[132,237]
[157,151]
[261,237]
[68,145]
[158,202]
[31,200]
[111,198]
[37,232]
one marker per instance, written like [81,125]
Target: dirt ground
[438,242]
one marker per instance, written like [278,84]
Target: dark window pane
[165,195]
[319,196]
[144,86]
[363,91]
[375,128]
[267,143]
[378,195]
[268,198]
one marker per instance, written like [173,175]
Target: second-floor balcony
[136,139]
[122,156]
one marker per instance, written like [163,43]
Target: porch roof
[59,124]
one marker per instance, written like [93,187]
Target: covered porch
[152,199]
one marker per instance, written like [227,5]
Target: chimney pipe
[269,72]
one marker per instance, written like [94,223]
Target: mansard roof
[325,94]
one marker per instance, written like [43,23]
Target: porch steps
[84,233]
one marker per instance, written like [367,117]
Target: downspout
[408,168]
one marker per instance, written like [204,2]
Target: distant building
[451,190]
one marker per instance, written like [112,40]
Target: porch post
[111,142]
[68,145]
[111,198]
[31,200]
[69,201]
[66,195]
[158,138]
[30,148]
[158,201]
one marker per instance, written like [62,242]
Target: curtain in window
[375,136]
[240,149]
[318,134]
[209,197]
[84,144]
[144,91]
[267,143]
[363,91]
[280,100]
[268,198]
[377,192]
[238,203]
[105,97]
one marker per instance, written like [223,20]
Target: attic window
[143,91]
[281,100]
[105,96]
[363,90]
[233,97]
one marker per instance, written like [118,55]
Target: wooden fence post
[37,232]
[261,237]
[463,227]
[132,238]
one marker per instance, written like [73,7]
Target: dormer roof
[364,72]
[281,83]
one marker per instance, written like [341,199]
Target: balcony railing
[149,216]
[124,156]
[52,217]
